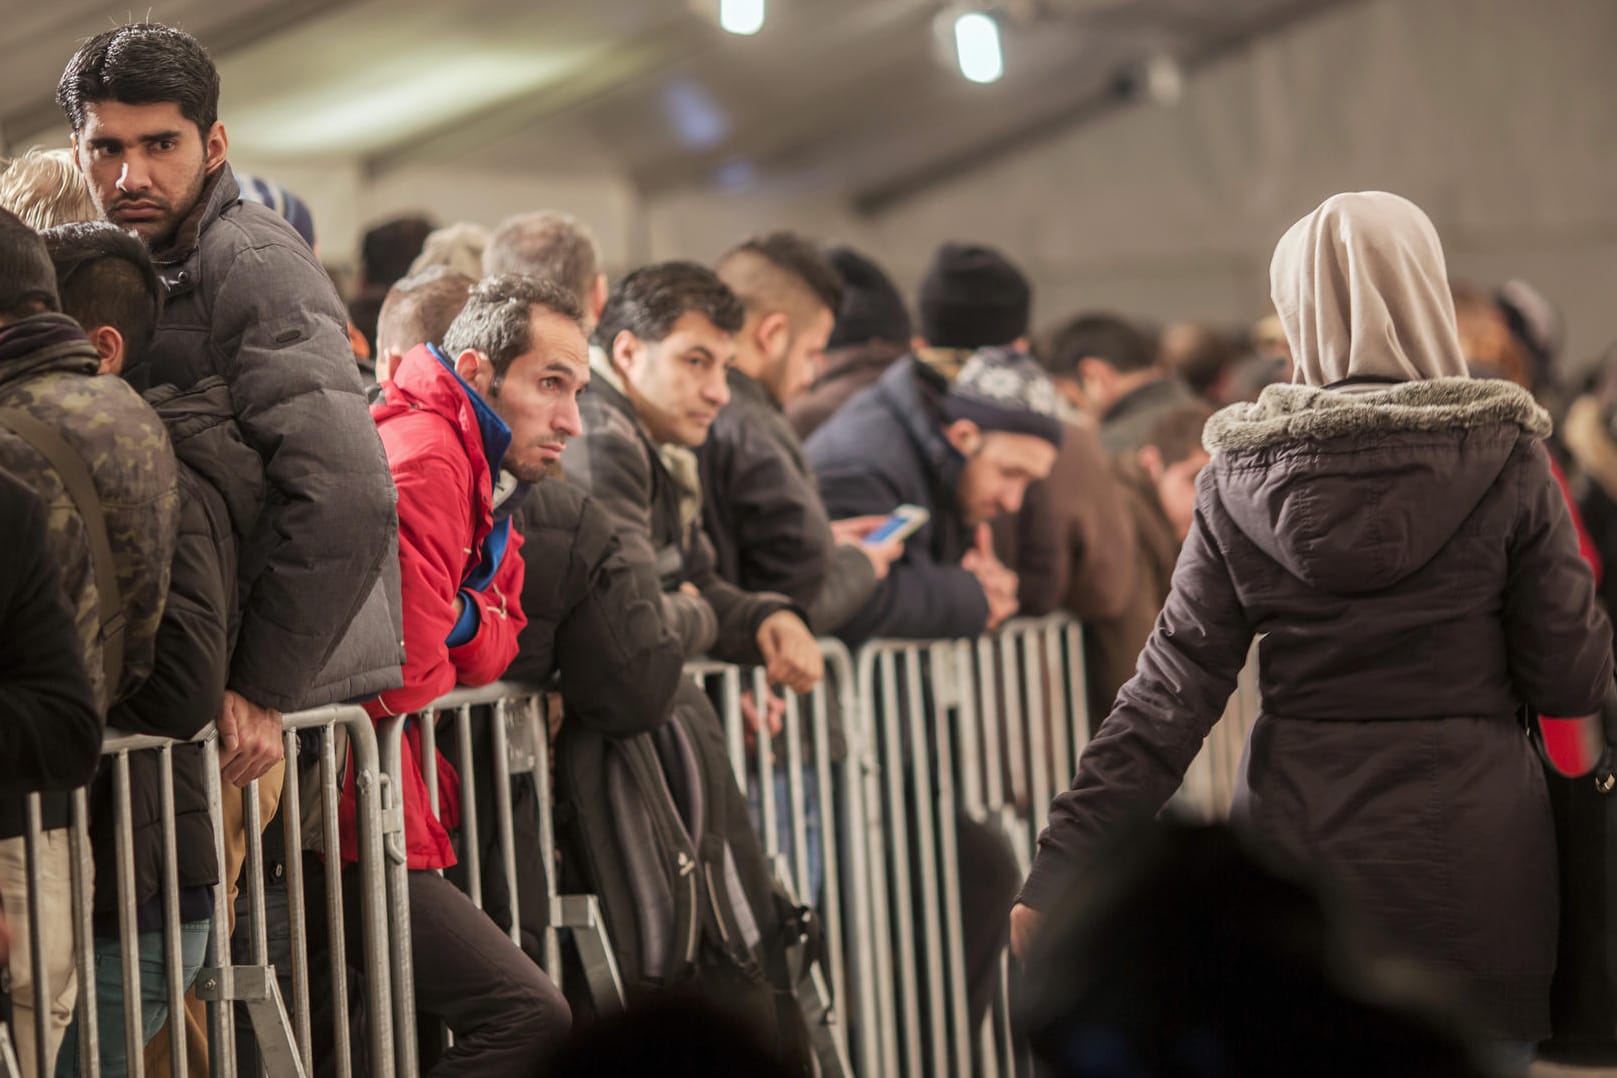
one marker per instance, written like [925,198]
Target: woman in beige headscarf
[1389,529]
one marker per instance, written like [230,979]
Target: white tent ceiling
[850,97]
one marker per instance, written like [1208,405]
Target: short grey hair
[549,245]
[498,317]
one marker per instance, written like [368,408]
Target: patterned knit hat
[1005,389]
[269,193]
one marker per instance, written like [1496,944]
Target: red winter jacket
[440,438]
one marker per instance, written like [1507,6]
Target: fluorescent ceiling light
[976,43]
[744,17]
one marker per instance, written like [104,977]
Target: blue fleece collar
[495,434]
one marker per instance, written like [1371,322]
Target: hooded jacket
[883,449]
[50,726]
[762,512]
[221,494]
[445,446]
[617,463]
[1407,561]
[48,370]
[246,301]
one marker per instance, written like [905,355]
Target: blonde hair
[46,189]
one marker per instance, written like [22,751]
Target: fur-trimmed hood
[1353,491]
[1284,413]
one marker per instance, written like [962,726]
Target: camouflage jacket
[48,369]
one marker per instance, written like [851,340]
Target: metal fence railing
[858,797]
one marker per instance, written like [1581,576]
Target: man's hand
[772,720]
[1025,923]
[249,739]
[1000,585]
[852,532]
[791,656]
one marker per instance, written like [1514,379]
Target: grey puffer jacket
[1409,564]
[247,301]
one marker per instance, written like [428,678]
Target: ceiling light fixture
[743,17]
[977,49]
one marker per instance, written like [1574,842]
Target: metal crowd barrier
[985,730]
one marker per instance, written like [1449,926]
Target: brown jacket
[1408,561]
[1112,645]
[1073,541]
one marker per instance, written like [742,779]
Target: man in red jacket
[466,426]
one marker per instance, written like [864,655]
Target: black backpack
[656,827]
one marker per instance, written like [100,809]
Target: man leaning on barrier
[463,426]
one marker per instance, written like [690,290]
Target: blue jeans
[109,996]
[810,893]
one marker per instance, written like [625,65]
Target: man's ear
[773,334]
[217,145]
[597,298]
[109,345]
[475,368]
[1150,458]
[965,436]
[625,353]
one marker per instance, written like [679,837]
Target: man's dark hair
[1177,433]
[143,63]
[650,300]
[1116,341]
[788,253]
[386,251]
[498,318]
[27,279]
[105,277]
[420,309]
[1199,354]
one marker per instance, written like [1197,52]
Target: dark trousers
[989,879]
[506,1015]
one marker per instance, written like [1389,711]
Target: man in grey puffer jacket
[247,301]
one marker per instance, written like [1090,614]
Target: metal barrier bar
[297,914]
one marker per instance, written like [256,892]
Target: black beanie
[872,308]
[972,297]
[26,270]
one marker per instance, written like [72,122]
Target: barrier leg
[580,915]
[84,930]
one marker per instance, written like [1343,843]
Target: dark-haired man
[247,301]
[667,338]
[770,531]
[1111,367]
[48,374]
[498,398]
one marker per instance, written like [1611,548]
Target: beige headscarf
[1362,290]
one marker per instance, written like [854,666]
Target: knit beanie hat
[26,270]
[1005,389]
[872,308]
[972,297]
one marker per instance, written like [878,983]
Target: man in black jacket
[667,336]
[769,529]
[247,301]
[107,284]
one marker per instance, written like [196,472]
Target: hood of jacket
[44,344]
[201,423]
[1353,492]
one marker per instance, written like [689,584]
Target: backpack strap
[70,468]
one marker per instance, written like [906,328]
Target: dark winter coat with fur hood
[1408,564]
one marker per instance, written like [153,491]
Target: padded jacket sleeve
[1559,641]
[738,613]
[281,342]
[1139,757]
[50,728]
